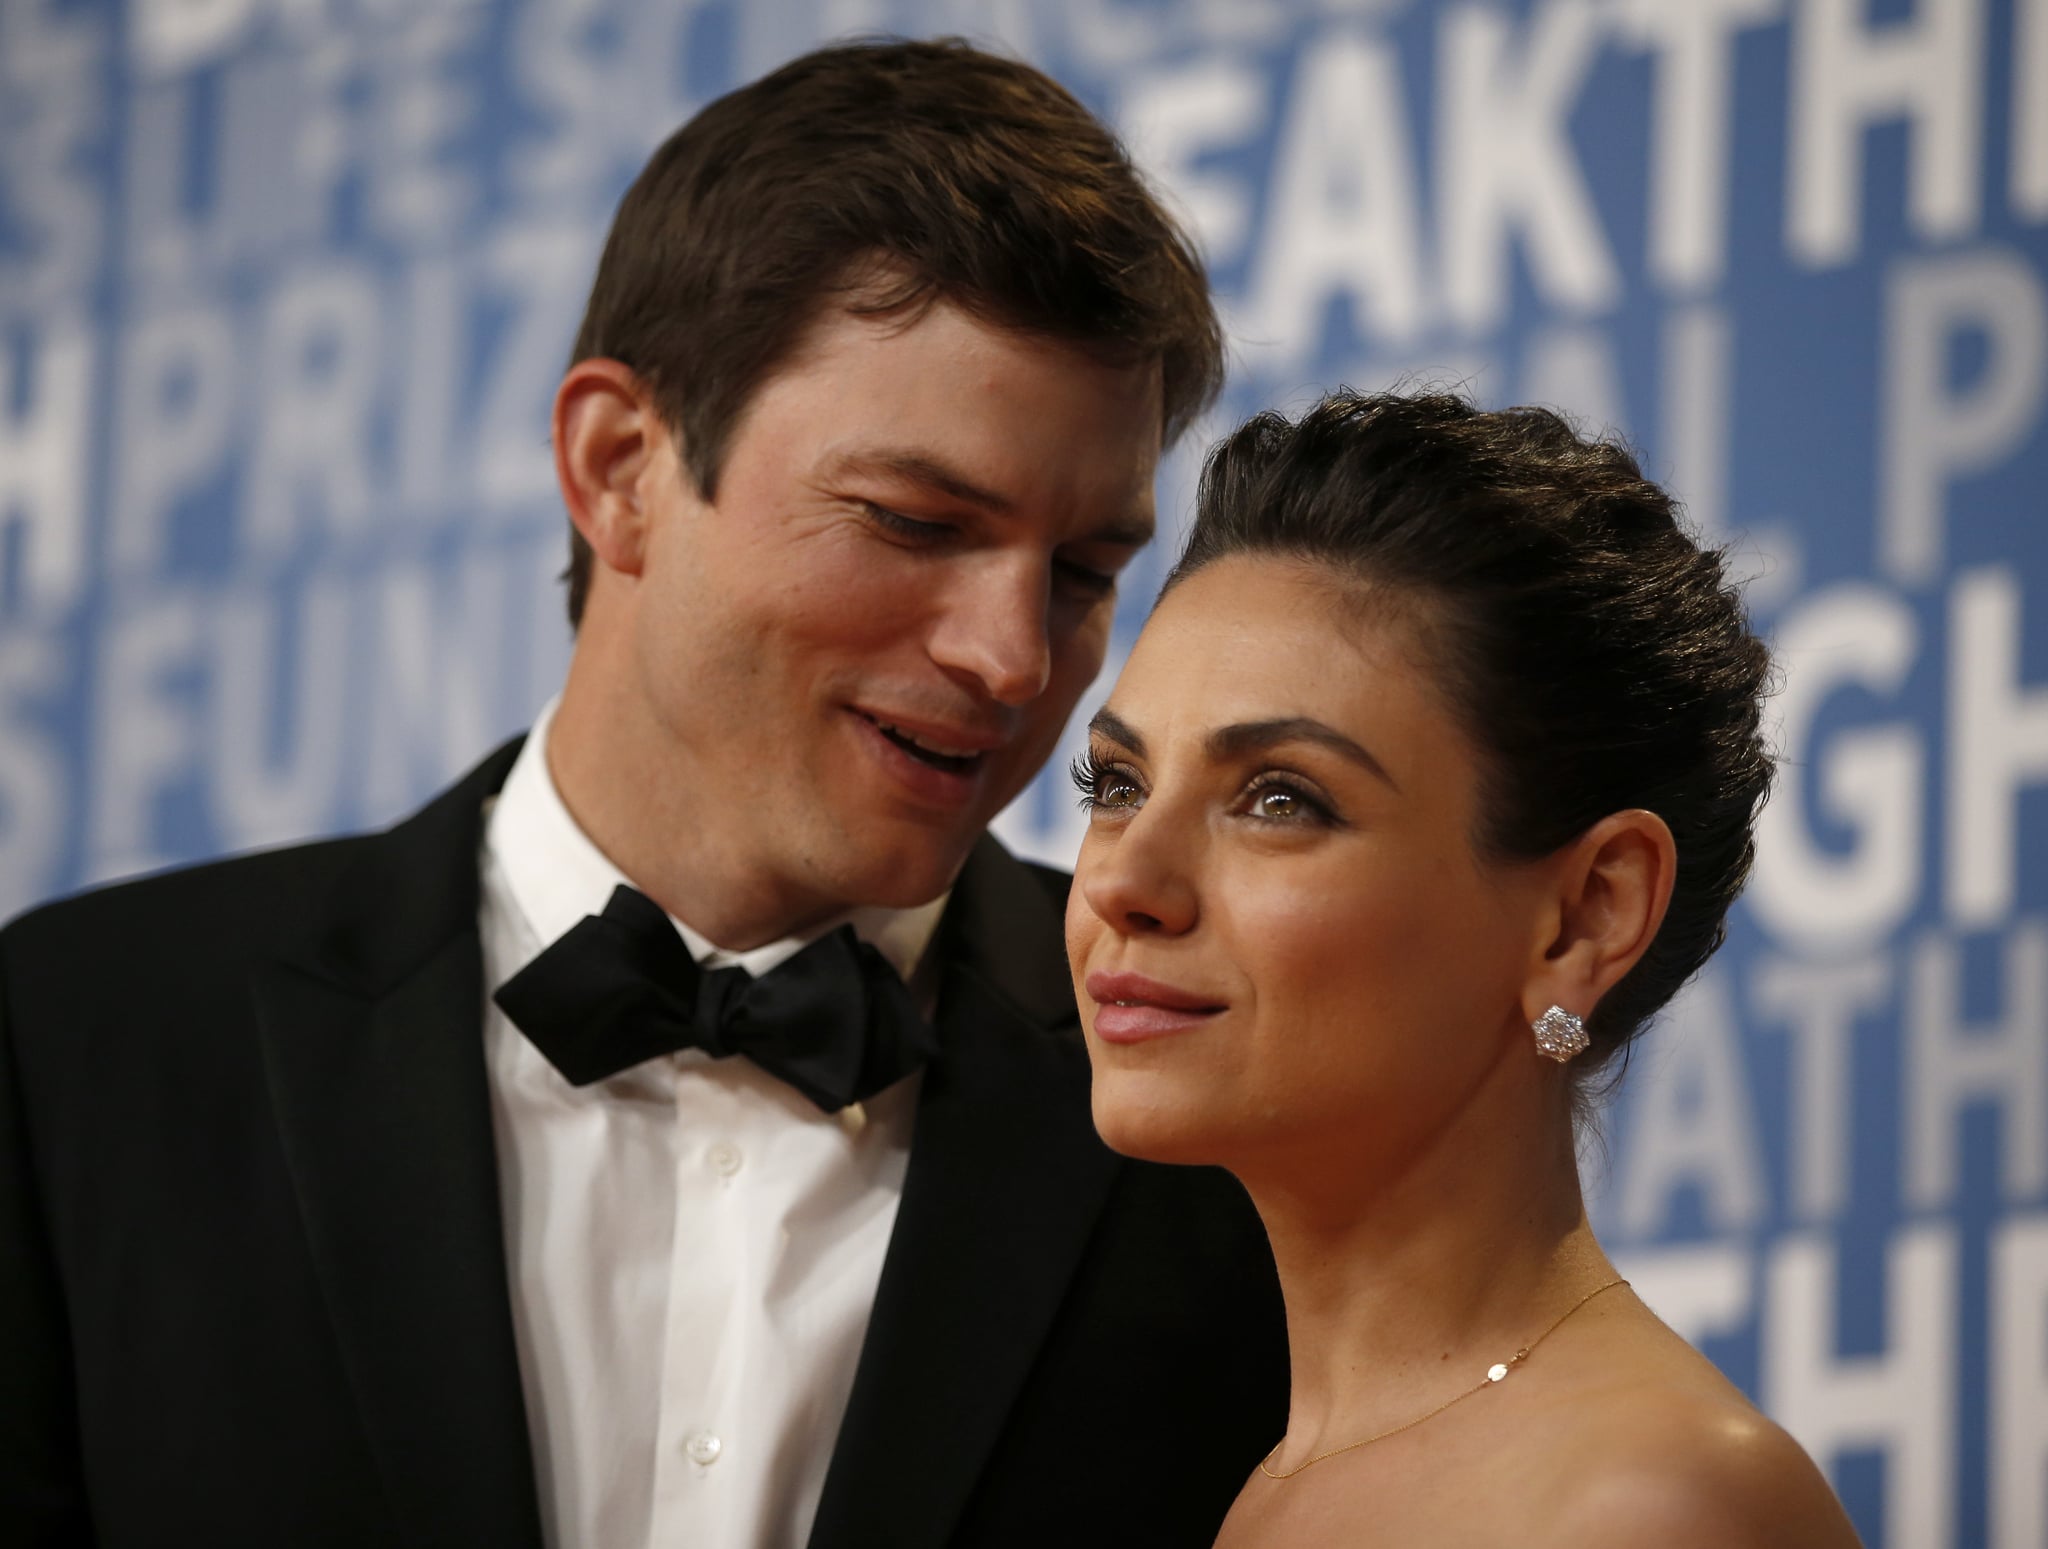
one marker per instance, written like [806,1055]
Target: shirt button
[703,1448]
[725,1160]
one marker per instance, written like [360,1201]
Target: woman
[1431,778]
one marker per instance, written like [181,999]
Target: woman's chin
[1157,1128]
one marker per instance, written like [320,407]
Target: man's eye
[1085,580]
[901,526]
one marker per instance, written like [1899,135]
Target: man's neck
[620,807]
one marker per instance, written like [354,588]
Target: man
[330,1214]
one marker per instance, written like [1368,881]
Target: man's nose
[995,630]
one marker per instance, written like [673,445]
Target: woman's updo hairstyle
[1597,657]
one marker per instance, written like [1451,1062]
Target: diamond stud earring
[1559,1034]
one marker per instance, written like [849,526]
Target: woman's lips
[1130,1008]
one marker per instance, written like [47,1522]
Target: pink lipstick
[1130,1008]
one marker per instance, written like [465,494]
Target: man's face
[870,641]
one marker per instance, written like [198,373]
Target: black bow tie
[835,1021]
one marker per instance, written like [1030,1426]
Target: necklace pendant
[1495,1373]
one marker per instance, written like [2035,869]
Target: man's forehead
[875,311]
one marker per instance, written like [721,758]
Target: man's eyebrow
[921,468]
[1246,737]
[1107,723]
[1132,532]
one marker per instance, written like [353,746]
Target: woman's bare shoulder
[1679,1464]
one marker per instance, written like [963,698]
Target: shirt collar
[556,876]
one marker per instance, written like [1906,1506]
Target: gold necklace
[1494,1373]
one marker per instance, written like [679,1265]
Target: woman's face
[1281,937]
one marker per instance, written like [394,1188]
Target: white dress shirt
[693,1247]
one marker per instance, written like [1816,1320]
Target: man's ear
[1613,885]
[608,435]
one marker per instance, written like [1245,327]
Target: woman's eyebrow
[1108,724]
[1246,737]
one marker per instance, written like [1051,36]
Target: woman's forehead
[1253,639]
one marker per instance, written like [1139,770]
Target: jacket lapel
[1006,1179]
[373,1047]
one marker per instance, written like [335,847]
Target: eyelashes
[1276,799]
[1103,783]
[906,527]
[1085,581]
[1273,797]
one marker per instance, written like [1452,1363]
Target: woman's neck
[1404,1283]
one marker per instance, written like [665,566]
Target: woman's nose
[1140,880]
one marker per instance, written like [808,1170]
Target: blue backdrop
[285,286]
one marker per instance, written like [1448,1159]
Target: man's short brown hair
[889,176]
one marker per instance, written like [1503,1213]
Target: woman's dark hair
[886,176]
[1595,654]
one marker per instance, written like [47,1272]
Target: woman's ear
[1614,884]
[607,433]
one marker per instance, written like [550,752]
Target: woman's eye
[1105,786]
[1117,793]
[1277,803]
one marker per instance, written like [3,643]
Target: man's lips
[944,768]
[954,749]
[1130,1008]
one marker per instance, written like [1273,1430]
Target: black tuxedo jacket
[252,1279]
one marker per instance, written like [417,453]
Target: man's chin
[907,882]
[894,864]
